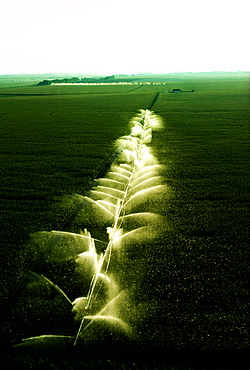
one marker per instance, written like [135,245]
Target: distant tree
[44,83]
[109,77]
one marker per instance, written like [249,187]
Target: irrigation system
[117,205]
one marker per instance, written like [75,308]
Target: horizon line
[122,74]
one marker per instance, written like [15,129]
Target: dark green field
[193,294]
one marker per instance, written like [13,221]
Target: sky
[107,37]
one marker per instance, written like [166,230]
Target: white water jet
[143,151]
[137,131]
[104,329]
[94,213]
[132,139]
[145,184]
[136,121]
[105,325]
[136,180]
[98,279]
[142,171]
[87,263]
[136,238]
[126,144]
[80,308]
[114,233]
[112,208]
[67,245]
[103,278]
[48,344]
[98,294]
[100,195]
[147,139]
[103,287]
[136,220]
[154,121]
[118,177]
[122,170]
[145,160]
[126,156]
[126,166]
[57,289]
[149,196]
[99,287]
[147,132]
[35,278]
[119,194]
[119,185]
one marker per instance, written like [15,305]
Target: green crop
[194,293]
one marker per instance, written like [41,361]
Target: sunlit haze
[123,37]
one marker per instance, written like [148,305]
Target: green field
[193,294]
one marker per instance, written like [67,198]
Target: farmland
[193,293]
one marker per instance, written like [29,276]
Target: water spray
[134,175]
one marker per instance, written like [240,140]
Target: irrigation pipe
[115,227]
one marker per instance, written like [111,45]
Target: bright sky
[123,36]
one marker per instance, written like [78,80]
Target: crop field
[191,288]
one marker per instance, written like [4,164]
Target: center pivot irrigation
[116,216]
